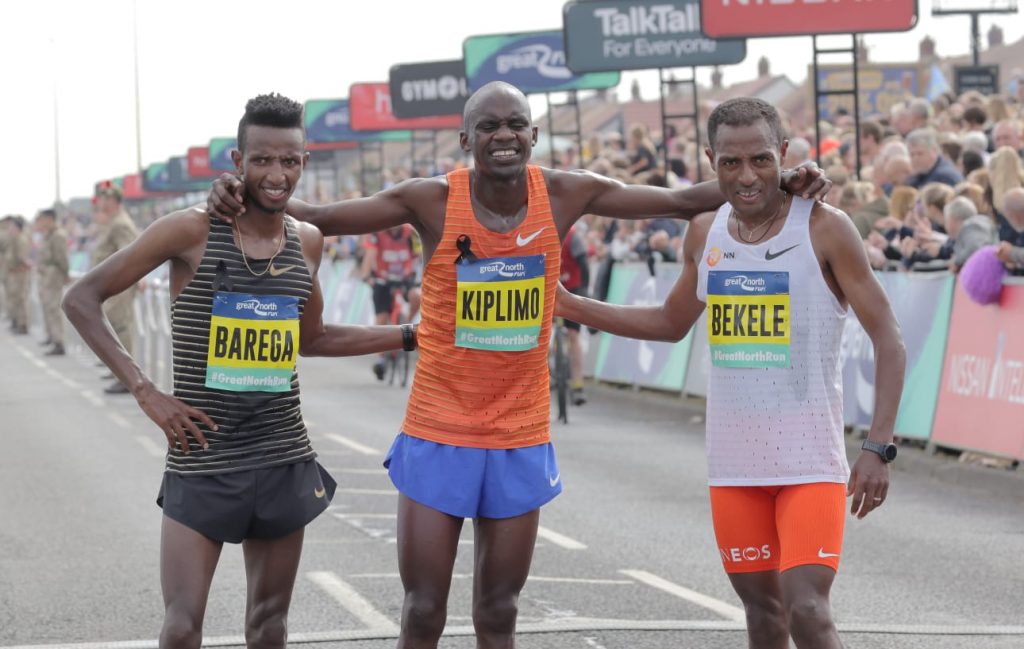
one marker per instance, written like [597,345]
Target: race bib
[500,303]
[748,318]
[254,340]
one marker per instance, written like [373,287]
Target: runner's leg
[504,551]
[270,569]
[761,594]
[427,543]
[806,590]
[187,562]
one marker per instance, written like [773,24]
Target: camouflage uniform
[18,279]
[53,275]
[119,309]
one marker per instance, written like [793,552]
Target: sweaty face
[748,163]
[271,164]
[501,135]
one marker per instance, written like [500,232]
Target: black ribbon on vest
[466,255]
[222,278]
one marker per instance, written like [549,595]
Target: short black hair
[744,111]
[269,110]
[971,160]
[975,115]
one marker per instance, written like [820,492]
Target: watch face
[889,452]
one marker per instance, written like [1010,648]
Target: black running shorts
[256,504]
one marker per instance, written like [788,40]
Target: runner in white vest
[776,274]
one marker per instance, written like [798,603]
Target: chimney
[634,90]
[995,37]
[763,67]
[716,78]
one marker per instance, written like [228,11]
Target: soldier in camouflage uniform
[4,303]
[116,231]
[16,261]
[52,265]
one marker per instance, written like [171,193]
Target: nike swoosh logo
[554,481]
[275,271]
[769,255]
[825,555]
[319,493]
[522,241]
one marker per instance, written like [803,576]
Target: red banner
[199,163]
[981,399]
[133,187]
[370,110]
[753,18]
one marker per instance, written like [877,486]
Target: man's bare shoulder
[423,189]
[190,224]
[574,179]
[827,218]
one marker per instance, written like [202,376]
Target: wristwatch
[409,342]
[885,451]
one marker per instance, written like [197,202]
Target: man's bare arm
[168,238]
[836,237]
[670,321]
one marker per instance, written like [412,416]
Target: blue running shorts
[474,482]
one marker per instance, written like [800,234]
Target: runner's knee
[266,626]
[496,614]
[809,615]
[423,616]
[182,630]
[764,613]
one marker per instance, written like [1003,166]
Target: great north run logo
[547,61]
[750,284]
[257,307]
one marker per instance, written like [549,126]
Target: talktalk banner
[641,362]
[981,399]
[532,62]
[753,18]
[328,121]
[922,304]
[428,89]
[199,162]
[370,109]
[634,35]
[219,153]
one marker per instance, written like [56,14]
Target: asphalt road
[626,557]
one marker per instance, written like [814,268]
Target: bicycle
[560,368]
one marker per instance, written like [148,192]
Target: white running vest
[775,394]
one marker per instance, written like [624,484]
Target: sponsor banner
[981,397]
[132,188]
[649,364]
[347,299]
[983,78]
[199,162]
[922,304]
[156,178]
[178,178]
[754,18]
[881,86]
[631,35]
[532,62]
[370,110]
[328,121]
[428,89]
[698,371]
[219,153]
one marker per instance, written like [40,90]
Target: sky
[199,61]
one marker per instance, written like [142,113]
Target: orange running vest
[482,376]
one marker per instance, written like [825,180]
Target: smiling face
[271,165]
[748,162]
[499,131]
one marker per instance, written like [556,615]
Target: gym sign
[630,35]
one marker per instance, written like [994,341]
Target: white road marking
[119,420]
[575,625]
[560,540]
[592,642]
[728,611]
[352,601]
[352,444]
[557,580]
[151,447]
[92,398]
[29,355]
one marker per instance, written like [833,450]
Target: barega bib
[254,341]
[748,318]
[499,303]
